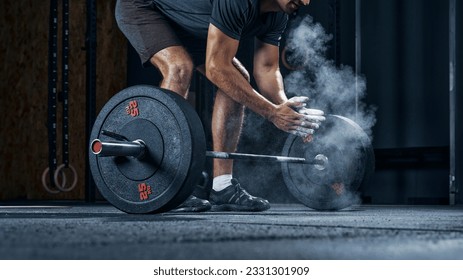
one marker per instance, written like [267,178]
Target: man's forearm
[231,82]
[270,84]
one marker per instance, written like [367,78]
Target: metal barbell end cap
[322,162]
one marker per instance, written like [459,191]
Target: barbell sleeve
[118,148]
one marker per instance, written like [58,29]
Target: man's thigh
[147,30]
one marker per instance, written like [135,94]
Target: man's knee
[181,72]
[174,63]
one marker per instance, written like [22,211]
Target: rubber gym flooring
[286,231]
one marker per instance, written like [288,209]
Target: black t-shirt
[236,18]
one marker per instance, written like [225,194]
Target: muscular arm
[221,49]
[267,72]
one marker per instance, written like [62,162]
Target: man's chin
[291,8]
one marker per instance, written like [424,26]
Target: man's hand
[293,117]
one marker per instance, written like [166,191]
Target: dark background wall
[405,58]
[23,91]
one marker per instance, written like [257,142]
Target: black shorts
[149,31]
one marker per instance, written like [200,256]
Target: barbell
[147,151]
[138,149]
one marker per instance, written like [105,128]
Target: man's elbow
[212,72]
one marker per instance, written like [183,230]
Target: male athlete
[178,36]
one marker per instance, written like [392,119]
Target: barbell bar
[137,149]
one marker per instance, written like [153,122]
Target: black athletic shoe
[235,198]
[193,204]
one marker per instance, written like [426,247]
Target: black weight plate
[136,169]
[198,152]
[346,147]
[167,174]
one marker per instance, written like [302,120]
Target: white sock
[221,182]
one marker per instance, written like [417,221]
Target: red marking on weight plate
[308,139]
[144,191]
[132,108]
[338,188]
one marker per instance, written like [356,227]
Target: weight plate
[166,175]
[349,155]
[368,149]
[198,152]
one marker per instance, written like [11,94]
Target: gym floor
[286,231]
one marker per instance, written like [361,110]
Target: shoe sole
[238,208]
[192,209]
